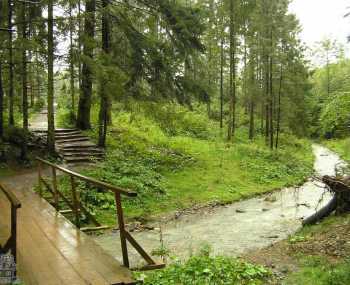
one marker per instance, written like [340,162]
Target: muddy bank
[240,227]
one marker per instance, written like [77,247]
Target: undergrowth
[175,159]
[204,269]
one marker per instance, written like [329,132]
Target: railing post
[75,201]
[55,189]
[14,233]
[39,178]
[122,229]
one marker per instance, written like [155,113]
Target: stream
[237,228]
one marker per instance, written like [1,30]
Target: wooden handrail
[11,244]
[76,207]
[11,197]
[97,183]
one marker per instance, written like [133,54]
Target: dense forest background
[239,62]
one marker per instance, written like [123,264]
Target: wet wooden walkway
[51,250]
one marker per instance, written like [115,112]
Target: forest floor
[313,256]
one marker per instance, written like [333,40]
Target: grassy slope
[194,165]
[340,146]
[321,267]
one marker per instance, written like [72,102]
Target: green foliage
[177,169]
[335,116]
[206,270]
[340,146]
[14,135]
[177,120]
[318,271]
[330,112]
[277,165]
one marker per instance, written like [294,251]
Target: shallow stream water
[239,227]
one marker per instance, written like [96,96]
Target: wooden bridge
[51,250]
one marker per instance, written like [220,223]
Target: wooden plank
[12,198]
[120,220]
[70,257]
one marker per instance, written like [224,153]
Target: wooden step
[82,150]
[58,131]
[69,134]
[79,146]
[76,145]
[72,154]
[77,159]
[83,139]
[58,138]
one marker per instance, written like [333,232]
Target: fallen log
[322,213]
[341,189]
[340,203]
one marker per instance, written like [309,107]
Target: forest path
[240,227]
[71,144]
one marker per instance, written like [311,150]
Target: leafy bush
[206,270]
[335,116]
[265,166]
[177,120]
[14,135]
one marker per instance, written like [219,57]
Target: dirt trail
[240,227]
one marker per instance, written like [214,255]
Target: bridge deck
[50,249]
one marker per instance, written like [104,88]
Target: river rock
[240,211]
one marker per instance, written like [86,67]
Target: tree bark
[84,108]
[71,63]
[50,89]
[232,117]
[104,105]
[271,105]
[1,105]
[24,82]
[222,83]
[278,128]
[10,59]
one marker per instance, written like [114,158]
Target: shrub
[177,120]
[206,270]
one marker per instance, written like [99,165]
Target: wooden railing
[76,207]
[11,244]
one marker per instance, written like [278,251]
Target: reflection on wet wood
[51,250]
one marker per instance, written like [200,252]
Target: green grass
[340,146]
[188,163]
[316,269]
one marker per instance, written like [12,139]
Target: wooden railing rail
[77,208]
[11,244]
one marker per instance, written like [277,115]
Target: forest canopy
[240,62]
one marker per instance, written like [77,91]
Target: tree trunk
[278,127]
[232,117]
[222,83]
[271,107]
[24,82]
[50,82]
[104,105]
[10,59]
[1,105]
[84,108]
[251,120]
[71,63]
